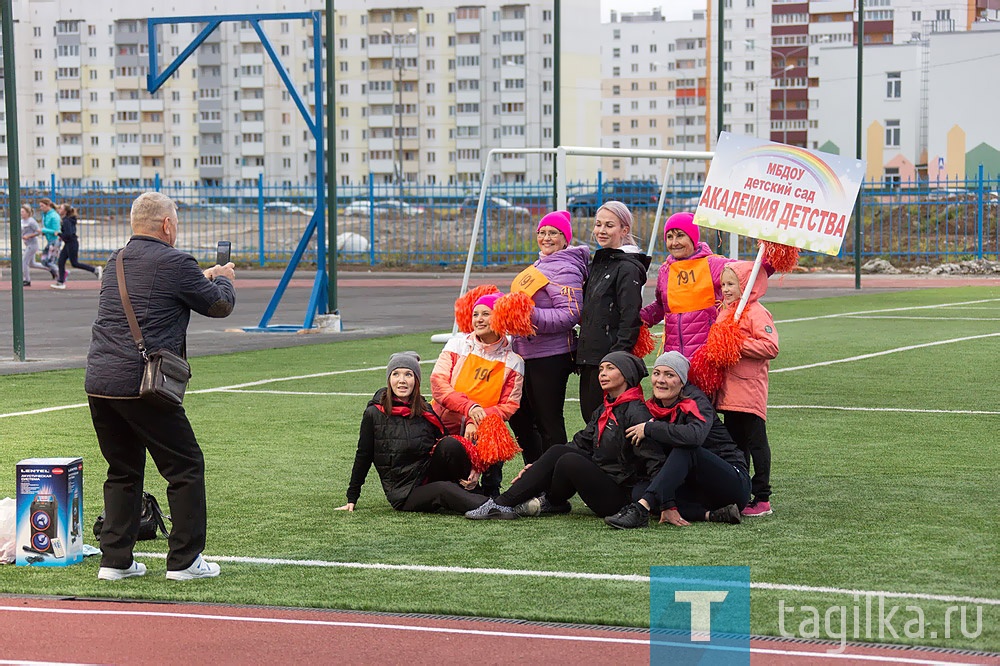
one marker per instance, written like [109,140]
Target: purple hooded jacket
[685,332]
[557,304]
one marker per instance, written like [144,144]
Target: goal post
[561,154]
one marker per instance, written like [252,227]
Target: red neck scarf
[634,393]
[686,405]
[400,409]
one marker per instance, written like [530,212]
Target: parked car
[393,207]
[494,208]
[284,207]
[632,193]
[217,208]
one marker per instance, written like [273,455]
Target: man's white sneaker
[110,573]
[200,569]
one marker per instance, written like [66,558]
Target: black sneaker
[727,514]
[541,506]
[631,516]
[490,510]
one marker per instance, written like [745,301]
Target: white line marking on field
[885,352]
[887,409]
[201,617]
[904,309]
[924,318]
[578,575]
[43,410]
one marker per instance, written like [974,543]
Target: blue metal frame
[318,298]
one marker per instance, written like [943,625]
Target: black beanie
[631,367]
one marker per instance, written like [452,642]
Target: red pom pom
[704,374]
[782,258]
[473,453]
[494,441]
[512,315]
[725,342]
[645,343]
[465,302]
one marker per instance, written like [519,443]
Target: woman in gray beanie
[599,464]
[421,468]
[705,476]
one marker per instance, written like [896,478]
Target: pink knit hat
[561,220]
[489,300]
[684,222]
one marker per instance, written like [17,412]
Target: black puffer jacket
[612,298]
[400,447]
[628,465]
[164,286]
[690,431]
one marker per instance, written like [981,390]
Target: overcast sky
[672,9]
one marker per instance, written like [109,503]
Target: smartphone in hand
[222,253]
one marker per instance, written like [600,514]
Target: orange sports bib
[481,380]
[528,281]
[690,287]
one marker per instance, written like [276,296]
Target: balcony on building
[381,120]
[129,171]
[68,105]
[378,167]
[151,104]
[251,103]
[70,150]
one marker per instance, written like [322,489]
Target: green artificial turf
[864,500]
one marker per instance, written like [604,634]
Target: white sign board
[780,193]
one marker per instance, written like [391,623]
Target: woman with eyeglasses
[554,283]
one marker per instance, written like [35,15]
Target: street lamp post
[785,68]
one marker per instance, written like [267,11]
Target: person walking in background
[51,225]
[612,298]
[554,283]
[30,233]
[421,468]
[742,398]
[71,247]
[164,285]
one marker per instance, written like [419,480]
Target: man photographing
[164,286]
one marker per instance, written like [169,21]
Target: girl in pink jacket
[742,399]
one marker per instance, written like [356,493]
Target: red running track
[64,631]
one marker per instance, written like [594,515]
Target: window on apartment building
[892,134]
[635,68]
[634,124]
[749,22]
[652,48]
[635,105]
[893,85]
[749,65]
[943,14]
[616,108]
[915,16]
[616,127]
[652,122]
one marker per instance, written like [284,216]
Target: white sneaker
[58,285]
[110,573]
[199,569]
[99,273]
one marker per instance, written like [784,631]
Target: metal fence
[412,225]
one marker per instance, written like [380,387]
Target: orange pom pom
[473,453]
[494,441]
[512,315]
[782,258]
[645,343]
[725,342]
[704,374]
[463,306]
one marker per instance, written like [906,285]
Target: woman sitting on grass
[705,476]
[421,469]
[599,464]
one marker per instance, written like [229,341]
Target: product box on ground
[49,512]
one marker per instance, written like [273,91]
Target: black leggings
[696,481]
[538,424]
[749,431]
[562,472]
[70,251]
[440,489]
[591,395]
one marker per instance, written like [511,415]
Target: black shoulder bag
[150,520]
[165,375]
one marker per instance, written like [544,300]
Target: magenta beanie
[489,300]
[561,220]
[684,222]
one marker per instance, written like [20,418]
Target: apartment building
[424,92]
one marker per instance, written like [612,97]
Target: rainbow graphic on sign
[785,194]
[826,178]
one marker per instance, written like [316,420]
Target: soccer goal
[562,153]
